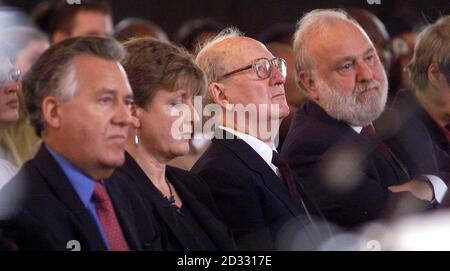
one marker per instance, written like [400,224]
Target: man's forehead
[87,61]
[243,50]
[345,39]
[99,72]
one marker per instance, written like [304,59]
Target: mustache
[361,87]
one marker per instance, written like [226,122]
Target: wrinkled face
[166,123]
[92,23]
[9,104]
[247,88]
[93,125]
[349,80]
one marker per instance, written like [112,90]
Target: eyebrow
[351,58]
[113,92]
[368,51]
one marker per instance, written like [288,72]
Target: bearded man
[332,143]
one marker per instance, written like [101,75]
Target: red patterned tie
[108,219]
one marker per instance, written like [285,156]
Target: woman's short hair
[153,65]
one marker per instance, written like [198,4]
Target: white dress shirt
[261,148]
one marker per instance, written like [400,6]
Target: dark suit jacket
[49,213]
[254,202]
[342,169]
[194,194]
[415,137]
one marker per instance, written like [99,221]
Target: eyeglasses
[262,67]
[12,75]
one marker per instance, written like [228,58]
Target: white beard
[353,108]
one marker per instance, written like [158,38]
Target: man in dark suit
[331,142]
[78,99]
[419,120]
[258,202]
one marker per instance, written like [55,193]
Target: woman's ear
[51,112]
[307,82]
[216,92]
[136,116]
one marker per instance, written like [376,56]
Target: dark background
[253,16]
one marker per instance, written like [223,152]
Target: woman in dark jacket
[164,79]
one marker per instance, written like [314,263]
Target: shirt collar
[83,184]
[264,150]
[357,128]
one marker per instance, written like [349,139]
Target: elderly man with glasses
[260,199]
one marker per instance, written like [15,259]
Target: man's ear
[307,82]
[216,92]
[59,36]
[51,112]
[435,77]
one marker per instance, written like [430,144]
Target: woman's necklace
[171,198]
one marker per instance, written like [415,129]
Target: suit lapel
[63,190]
[255,163]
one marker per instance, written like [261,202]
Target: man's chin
[114,160]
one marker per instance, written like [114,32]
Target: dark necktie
[108,219]
[396,164]
[288,179]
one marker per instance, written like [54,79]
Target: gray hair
[53,74]
[210,60]
[314,23]
[432,46]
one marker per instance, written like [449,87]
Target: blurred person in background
[9,106]
[28,44]
[193,33]
[419,120]
[90,17]
[41,15]
[402,48]
[280,33]
[129,28]
[377,33]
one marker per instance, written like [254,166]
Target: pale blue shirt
[83,185]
